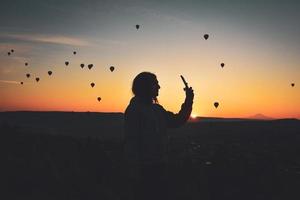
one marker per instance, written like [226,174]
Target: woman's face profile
[155,88]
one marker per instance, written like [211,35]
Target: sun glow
[193,116]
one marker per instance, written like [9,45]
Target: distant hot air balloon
[82,65]
[21,83]
[8,53]
[222,65]
[27,75]
[293,84]
[37,79]
[92,84]
[216,104]
[99,99]
[74,52]
[90,66]
[12,50]
[26,64]
[206,36]
[66,63]
[137,26]
[112,68]
[50,73]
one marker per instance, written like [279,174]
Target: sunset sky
[259,42]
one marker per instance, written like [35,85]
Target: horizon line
[190,118]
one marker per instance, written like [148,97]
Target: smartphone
[185,83]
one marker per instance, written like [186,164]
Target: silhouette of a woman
[145,144]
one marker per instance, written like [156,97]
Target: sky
[259,42]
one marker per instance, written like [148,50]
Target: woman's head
[145,86]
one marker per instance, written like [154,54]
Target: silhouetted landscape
[69,155]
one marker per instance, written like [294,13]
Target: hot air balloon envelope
[137,26]
[112,68]
[99,98]
[66,63]
[216,104]
[82,65]
[49,72]
[37,79]
[206,36]
[92,84]
[90,66]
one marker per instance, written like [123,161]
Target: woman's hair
[142,87]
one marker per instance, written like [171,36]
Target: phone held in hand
[185,83]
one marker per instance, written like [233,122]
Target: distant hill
[261,117]
[256,117]
[219,119]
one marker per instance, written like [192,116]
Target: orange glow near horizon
[68,89]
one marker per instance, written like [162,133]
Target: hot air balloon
[50,73]
[222,65]
[206,36]
[37,79]
[293,84]
[216,104]
[66,63]
[74,52]
[99,99]
[26,64]
[12,50]
[90,66]
[21,83]
[82,65]
[8,53]
[137,26]
[112,68]
[27,75]
[92,84]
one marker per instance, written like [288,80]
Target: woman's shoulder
[159,107]
[133,107]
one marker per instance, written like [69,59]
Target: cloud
[9,82]
[158,15]
[55,39]
[109,42]
[61,40]
[8,67]
[6,47]
[4,71]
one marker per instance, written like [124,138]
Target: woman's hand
[189,94]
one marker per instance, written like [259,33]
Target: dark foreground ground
[42,159]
